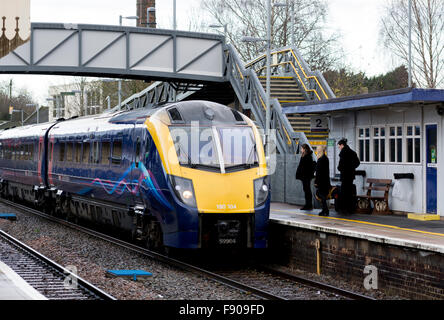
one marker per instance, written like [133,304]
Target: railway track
[44,275]
[264,282]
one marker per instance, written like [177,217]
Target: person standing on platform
[305,173]
[322,180]
[348,162]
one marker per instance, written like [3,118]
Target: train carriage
[23,162]
[184,175]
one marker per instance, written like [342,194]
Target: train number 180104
[226,206]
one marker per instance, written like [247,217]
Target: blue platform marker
[129,273]
[8,216]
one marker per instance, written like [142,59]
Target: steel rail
[154,255]
[196,270]
[83,284]
[317,284]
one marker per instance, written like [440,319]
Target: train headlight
[184,190]
[261,189]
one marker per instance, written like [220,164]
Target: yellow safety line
[363,222]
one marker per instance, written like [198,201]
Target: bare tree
[249,18]
[427,38]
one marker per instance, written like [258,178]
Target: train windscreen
[215,147]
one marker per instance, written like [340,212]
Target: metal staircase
[292,82]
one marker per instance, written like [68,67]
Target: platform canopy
[399,97]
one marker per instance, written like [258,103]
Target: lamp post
[129,18]
[36,108]
[268,61]
[174,15]
[279,4]
[410,43]
[220,26]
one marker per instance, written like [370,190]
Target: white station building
[398,135]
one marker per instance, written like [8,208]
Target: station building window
[379,144]
[413,143]
[364,144]
[391,143]
[395,141]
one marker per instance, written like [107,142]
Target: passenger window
[51,151]
[106,151]
[26,155]
[62,151]
[22,152]
[78,152]
[69,153]
[96,150]
[86,152]
[117,152]
[31,152]
[137,152]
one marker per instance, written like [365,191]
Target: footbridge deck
[117,51]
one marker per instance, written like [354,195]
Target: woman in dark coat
[305,173]
[322,180]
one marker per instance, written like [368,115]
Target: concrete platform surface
[392,229]
[13,287]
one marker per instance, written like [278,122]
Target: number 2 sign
[318,123]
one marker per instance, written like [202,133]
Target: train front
[214,168]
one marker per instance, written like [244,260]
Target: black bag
[341,205]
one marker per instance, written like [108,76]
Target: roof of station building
[405,96]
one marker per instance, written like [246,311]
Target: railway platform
[13,287]
[406,256]
[388,229]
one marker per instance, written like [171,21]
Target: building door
[431,167]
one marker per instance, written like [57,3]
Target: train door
[40,161]
[431,160]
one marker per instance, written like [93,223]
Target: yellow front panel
[215,192]
[218,193]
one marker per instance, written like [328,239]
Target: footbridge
[115,51]
[182,66]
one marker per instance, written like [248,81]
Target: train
[188,175]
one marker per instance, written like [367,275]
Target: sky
[357,21]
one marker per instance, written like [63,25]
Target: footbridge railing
[289,61]
[252,96]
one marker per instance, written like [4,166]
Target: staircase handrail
[246,84]
[311,82]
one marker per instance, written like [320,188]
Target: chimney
[142,6]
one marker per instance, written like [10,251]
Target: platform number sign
[318,123]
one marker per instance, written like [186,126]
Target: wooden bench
[380,203]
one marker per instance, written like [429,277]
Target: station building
[398,135]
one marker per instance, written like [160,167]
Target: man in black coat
[305,173]
[322,180]
[348,162]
